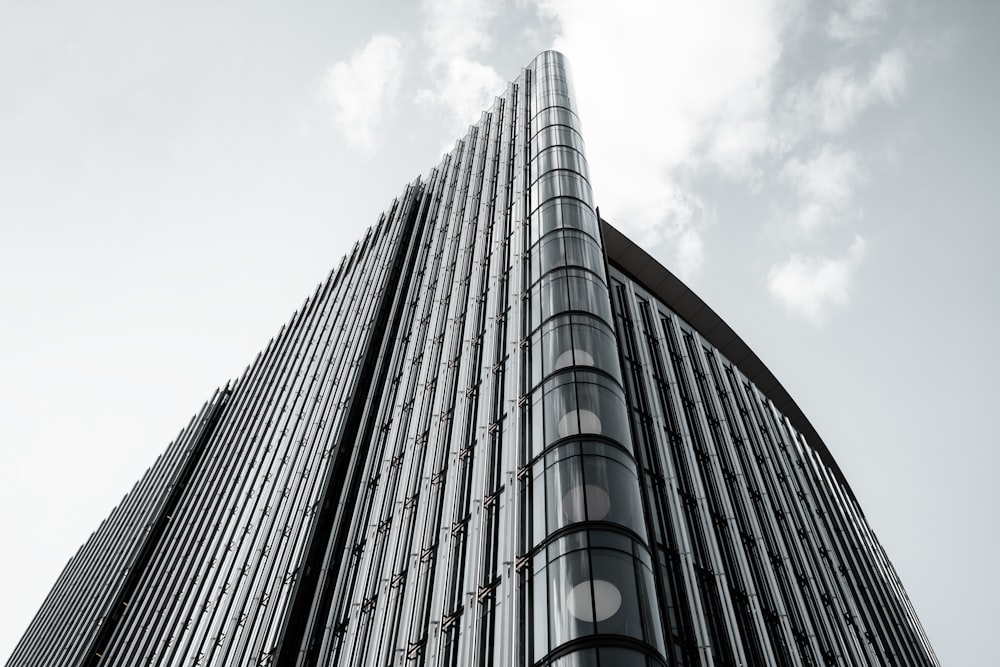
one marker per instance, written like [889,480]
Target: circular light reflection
[593,497]
[589,422]
[606,596]
[574,357]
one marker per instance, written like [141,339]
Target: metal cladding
[483,441]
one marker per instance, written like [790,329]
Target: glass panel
[573,340]
[566,248]
[591,582]
[555,116]
[579,403]
[581,250]
[649,606]
[562,480]
[621,657]
[575,488]
[620,501]
[568,618]
[609,409]
[596,339]
[539,353]
[586,658]
[556,135]
[564,212]
[619,614]
[551,253]
[560,183]
[560,413]
[588,294]
[538,525]
[551,97]
[540,612]
[560,157]
[537,425]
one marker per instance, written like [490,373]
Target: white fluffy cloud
[358,90]
[465,88]
[851,20]
[699,77]
[455,31]
[840,95]
[824,183]
[809,286]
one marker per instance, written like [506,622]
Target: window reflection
[573,357]
[573,340]
[588,481]
[561,213]
[566,290]
[595,600]
[560,157]
[578,403]
[566,248]
[556,135]
[561,183]
[586,500]
[555,116]
[553,97]
[592,588]
[578,421]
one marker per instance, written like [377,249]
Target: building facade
[499,433]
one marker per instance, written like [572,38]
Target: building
[498,434]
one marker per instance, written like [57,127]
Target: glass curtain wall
[588,579]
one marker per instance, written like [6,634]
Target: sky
[175,178]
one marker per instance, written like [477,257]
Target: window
[585,481]
[578,403]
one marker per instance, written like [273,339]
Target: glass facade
[483,441]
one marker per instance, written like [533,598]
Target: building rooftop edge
[629,258]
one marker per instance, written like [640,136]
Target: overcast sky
[176,177]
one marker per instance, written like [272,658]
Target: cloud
[839,96]
[675,95]
[850,20]
[357,91]
[824,184]
[455,30]
[809,286]
[465,88]
[663,88]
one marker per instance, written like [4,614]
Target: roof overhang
[635,262]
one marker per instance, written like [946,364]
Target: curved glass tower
[499,433]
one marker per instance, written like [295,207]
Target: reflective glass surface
[563,212]
[595,584]
[588,481]
[577,403]
[570,289]
[573,340]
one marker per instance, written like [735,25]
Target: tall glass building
[499,433]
